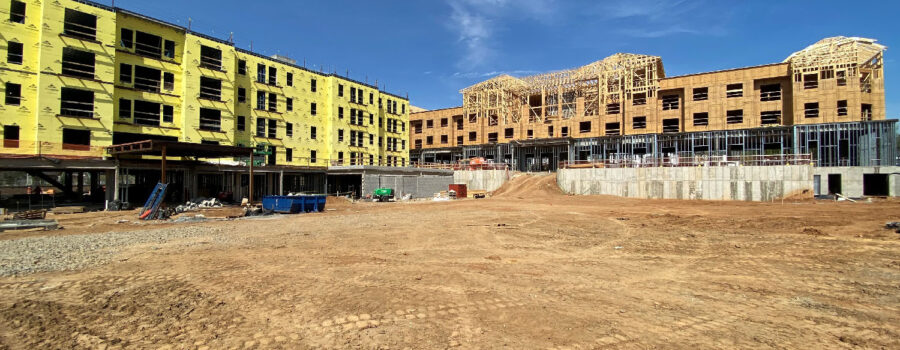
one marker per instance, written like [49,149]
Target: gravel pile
[58,253]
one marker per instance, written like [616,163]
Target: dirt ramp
[529,186]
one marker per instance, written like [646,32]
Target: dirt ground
[528,268]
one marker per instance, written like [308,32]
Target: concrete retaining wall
[749,183]
[852,184]
[419,186]
[488,180]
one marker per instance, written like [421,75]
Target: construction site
[605,206]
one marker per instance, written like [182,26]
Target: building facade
[79,76]
[826,100]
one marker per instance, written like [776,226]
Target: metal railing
[695,161]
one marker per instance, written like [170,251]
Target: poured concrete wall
[852,184]
[748,183]
[419,186]
[488,180]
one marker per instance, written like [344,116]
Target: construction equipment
[383,194]
[151,211]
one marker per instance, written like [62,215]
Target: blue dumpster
[294,204]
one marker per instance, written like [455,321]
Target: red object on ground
[146,213]
[460,190]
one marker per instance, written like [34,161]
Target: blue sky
[432,49]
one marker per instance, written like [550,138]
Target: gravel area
[58,253]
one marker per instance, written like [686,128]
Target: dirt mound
[337,203]
[529,185]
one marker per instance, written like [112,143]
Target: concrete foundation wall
[488,180]
[852,184]
[419,186]
[748,183]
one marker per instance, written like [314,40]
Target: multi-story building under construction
[826,100]
[78,77]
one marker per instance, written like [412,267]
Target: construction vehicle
[383,194]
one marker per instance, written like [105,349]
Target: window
[584,127]
[669,102]
[312,85]
[126,38]
[459,140]
[17,11]
[613,108]
[770,92]
[210,89]
[80,25]
[866,110]
[242,67]
[312,108]
[273,76]
[529,133]
[639,122]
[242,94]
[612,129]
[312,132]
[260,100]
[734,116]
[770,117]
[125,73]
[13,94]
[146,79]
[565,131]
[76,140]
[124,108]
[550,131]
[810,81]
[827,73]
[76,103]
[11,136]
[670,125]
[260,73]
[146,113]
[78,63]
[260,127]
[168,81]
[340,112]
[508,133]
[444,122]
[14,52]
[353,94]
[340,135]
[289,154]
[430,140]
[169,49]
[639,99]
[403,108]
[842,78]
[459,123]
[811,109]
[210,57]
[371,119]
[210,119]
[273,129]
[701,94]
[273,102]
[289,104]
[290,79]
[429,124]
[289,129]
[340,90]
[312,156]
[701,119]
[341,157]
[842,107]
[168,114]
[147,44]
[473,136]
[371,98]
[734,90]
[241,123]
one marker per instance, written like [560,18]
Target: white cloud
[661,18]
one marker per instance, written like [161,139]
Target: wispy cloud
[490,74]
[662,18]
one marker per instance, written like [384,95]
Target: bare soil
[529,268]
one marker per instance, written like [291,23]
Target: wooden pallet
[36,214]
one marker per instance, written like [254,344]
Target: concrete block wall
[419,186]
[488,180]
[852,184]
[747,183]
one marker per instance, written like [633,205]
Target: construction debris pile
[198,203]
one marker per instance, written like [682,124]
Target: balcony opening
[734,116]
[210,58]
[146,113]
[639,122]
[273,129]
[78,63]
[76,140]
[76,103]
[492,137]
[669,102]
[273,76]
[273,102]
[11,136]
[639,99]
[126,38]
[168,81]
[80,25]
[14,52]
[811,109]
[13,94]
[261,128]
[125,71]
[210,119]
[842,107]
[146,79]
[770,92]
[210,89]
[701,119]
[734,90]
[584,127]
[701,94]
[147,45]
[810,81]
[866,112]
[770,118]
[17,11]
[670,126]
[169,49]
[613,108]
[124,109]
[613,129]
[168,114]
